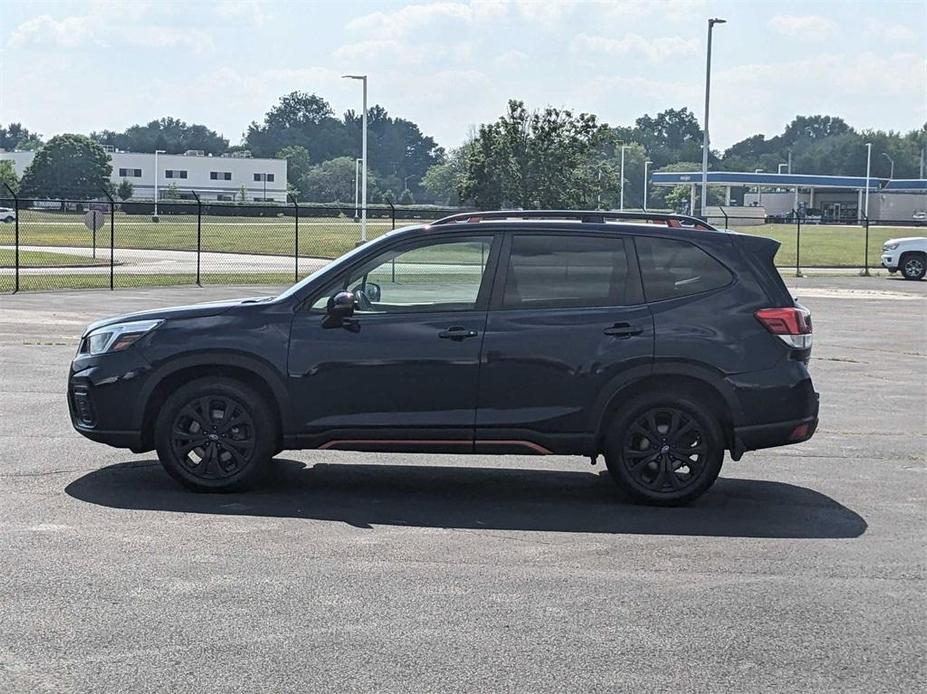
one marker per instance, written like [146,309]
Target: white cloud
[196,40]
[804,27]
[417,17]
[898,33]
[69,32]
[253,11]
[377,52]
[653,48]
[510,59]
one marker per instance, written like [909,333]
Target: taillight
[792,325]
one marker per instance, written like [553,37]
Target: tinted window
[672,268]
[435,277]
[561,271]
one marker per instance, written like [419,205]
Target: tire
[641,456]
[913,266]
[216,435]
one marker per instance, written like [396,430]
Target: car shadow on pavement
[480,498]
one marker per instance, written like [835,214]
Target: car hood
[907,239]
[211,308]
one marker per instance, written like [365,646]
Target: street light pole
[780,168]
[621,196]
[156,153]
[646,164]
[357,163]
[891,176]
[363,78]
[711,26]
[759,191]
[868,168]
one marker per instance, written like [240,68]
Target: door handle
[623,330]
[457,334]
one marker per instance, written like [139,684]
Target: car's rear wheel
[913,266]
[216,434]
[664,450]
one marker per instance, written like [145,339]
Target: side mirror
[341,305]
[373,291]
[339,310]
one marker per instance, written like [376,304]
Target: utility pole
[156,153]
[646,164]
[711,26]
[868,167]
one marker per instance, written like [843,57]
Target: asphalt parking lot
[802,570]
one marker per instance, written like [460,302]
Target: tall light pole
[780,167]
[711,26]
[621,196]
[156,153]
[363,78]
[892,174]
[759,191]
[646,164]
[357,163]
[868,168]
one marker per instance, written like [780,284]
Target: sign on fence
[95,219]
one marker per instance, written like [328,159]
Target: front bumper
[889,261]
[103,398]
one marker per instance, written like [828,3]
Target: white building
[213,178]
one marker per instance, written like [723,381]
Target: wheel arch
[249,371]
[694,382]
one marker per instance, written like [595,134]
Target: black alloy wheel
[213,437]
[216,434]
[665,452]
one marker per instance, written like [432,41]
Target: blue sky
[81,66]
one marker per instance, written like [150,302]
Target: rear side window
[561,271]
[671,268]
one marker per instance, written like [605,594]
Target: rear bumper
[756,436]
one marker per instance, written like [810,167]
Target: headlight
[889,246]
[116,337]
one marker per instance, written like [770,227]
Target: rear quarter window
[672,268]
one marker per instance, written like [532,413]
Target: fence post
[199,235]
[865,272]
[797,244]
[392,211]
[295,240]
[16,242]
[725,216]
[112,235]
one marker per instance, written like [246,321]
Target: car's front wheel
[913,266]
[664,450]
[216,434]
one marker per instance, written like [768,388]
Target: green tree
[442,181]
[8,176]
[531,159]
[172,135]
[405,197]
[16,137]
[125,190]
[333,181]
[68,166]
[298,164]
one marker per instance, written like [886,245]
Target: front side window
[565,271]
[436,277]
[671,268]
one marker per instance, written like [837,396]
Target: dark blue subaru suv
[654,340]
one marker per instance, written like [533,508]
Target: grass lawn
[125,281]
[34,259]
[823,245]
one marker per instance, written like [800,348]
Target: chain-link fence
[70,244]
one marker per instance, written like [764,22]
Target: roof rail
[589,216]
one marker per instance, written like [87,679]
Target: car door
[566,327]
[403,375]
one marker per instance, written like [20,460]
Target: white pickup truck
[909,255]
